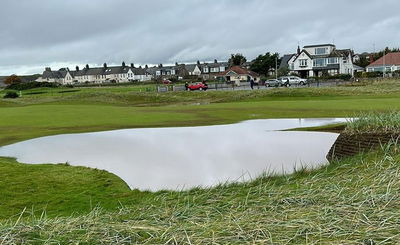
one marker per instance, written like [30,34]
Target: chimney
[87,66]
[140,67]
[77,68]
[123,64]
[160,65]
[298,50]
[132,65]
[198,62]
[47,69]
[146,66]
[215,61]
[176,64]
[105,65]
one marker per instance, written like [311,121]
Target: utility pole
[384,63]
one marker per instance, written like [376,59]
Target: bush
[30,85]
[338,76]
[373,74]
[11,95]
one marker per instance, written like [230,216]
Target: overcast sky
[59,33]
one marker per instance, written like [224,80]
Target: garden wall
[348,145]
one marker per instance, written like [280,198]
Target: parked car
[198,86]
[292,80]
[166,81]
[273,83]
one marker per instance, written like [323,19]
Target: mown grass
[58,189]
[355,201]
[373,122]
[96,109]
[344,203]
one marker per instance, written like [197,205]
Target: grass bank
[349,202]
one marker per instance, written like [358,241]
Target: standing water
[186,157]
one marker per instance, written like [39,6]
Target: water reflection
[182,158]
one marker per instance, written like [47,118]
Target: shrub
[11,95]
[338,76]
[373,74]
[30,85]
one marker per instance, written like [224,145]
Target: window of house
[222,68]
[215,69]
[321,51]
[205,69]
[319,62]
[344,60]
[303,62]
[334,60]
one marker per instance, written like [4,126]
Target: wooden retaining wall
[348,145]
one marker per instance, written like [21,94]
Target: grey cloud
[37,33]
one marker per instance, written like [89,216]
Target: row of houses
[310,61]
[124,73]
[103,74]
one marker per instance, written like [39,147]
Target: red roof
[240,71]
[389,59]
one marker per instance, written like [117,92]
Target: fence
[246,86]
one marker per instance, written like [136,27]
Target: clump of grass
[375,122]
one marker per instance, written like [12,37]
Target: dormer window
[321,51]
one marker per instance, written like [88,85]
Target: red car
[166,82]
[198,86]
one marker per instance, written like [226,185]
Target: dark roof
[285,60]
[341,53]
[190,67]
[319,45]
[388,59]
[356,67]
[307,53]
[48,74]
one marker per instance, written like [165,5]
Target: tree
[263,63]
[13,79]
[283,71]
[362,62]
[237,60]
[384,52]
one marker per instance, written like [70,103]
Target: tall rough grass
[375,122]
[352,202]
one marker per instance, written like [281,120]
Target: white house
[319,60]
[212,70]
[103,74]
[63,76]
